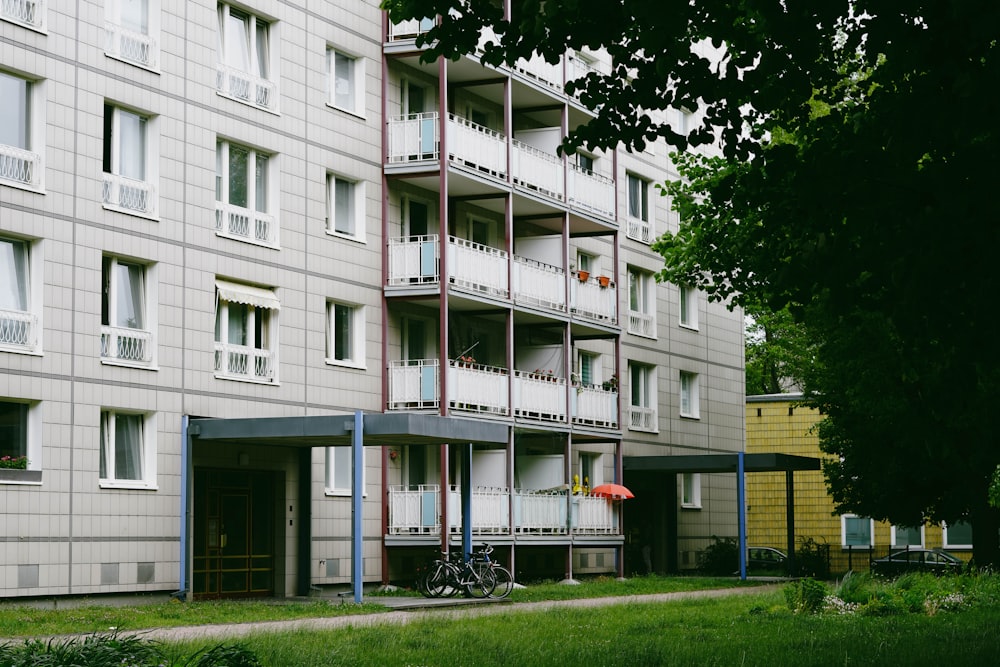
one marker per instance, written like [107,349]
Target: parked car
[766,559]
[917,560]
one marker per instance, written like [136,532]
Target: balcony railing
[415,510]
[594,406]
[30,13]
[413,384]
[541,512]
[18,329]
[642,419]
[414,260]
[20,166]
[129,194]
[123,344]
[245,87]
[593,301]
[641,324]
[245,224]
[537,170]
[477,267]
[539,284]
[540,70]
[238,362]
[131,46]
[540,396]
[639,230]
[409,28]
[591,192]
[595,516]
[413,137]
[478,388]
[476,146]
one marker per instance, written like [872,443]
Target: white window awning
[247,294]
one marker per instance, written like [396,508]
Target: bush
[721,558]
[805,596]
[113,650]
[812,559]
[856,588]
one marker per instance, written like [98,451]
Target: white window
[641,303]
[689,399]
[688,307]
[126,327]
[590,369]
[345,344]
[29,13]
[21,128]
[339,471]
[347,81]
[246,333]
[856,531]
[958,535]
[591,469]
[639,226]
[20,296]
[13,434]
[691,490]
[128,162]
[128,449]
[904,536]
[245,58]
[131,27]
[346,213]
[642,405]
[244,194]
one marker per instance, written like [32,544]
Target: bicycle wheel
[504,582]
[436,581]
[484,581]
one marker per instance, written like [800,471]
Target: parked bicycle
[477,576]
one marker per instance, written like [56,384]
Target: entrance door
[234,544]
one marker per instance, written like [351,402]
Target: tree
[778,351]
[858,162]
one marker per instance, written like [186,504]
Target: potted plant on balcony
[611,384]
[466,360]
[584,276]
[604,280]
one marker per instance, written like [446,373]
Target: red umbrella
[611,491]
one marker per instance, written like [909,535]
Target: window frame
[357,215]
[693,395]
[355,105]
[117,34]
[110,287]
[844,518]
[31,316]
[691,481]
[257,303]
[642,379]
[260,68]
[642,301]
[112,161]
[357,333]
[108,449]
[269,190]
[591,468]
[645,210]
[32,127]
[959,545]
[688,307]
[330,469]
[895,536]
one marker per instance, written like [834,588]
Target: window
[245,57]
[347,82]
[903,536]
[29,13]
[127,449]
[689,395]
[958,535]
[130,26]
[346,215]
[642,406]
[641,303]
[125,328]
[127,165]
[856,531]
[639,227]
[691,490]
[688,307]
[591,469]
[20,158]
[585,162]
[14,433]
[338,471]
[19,320]
[246,331]
[345,340]
[590,370]
[243,196]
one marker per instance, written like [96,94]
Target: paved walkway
[411,609]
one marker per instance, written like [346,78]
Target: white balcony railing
[541,512]
[245,87]
[476,146]
[414,510]
[639,230]
[413,137]
[596,516]
[413,384]
[594,406]
[245,224]
[478,388]
[540,70]
[414,260]
[123,344]
[593,301]
[477,267]
[490,510]
[641,324]
[30,13]
[578,68]
[540,396]
[18,329]
[131,46]
[591,192]
[129,194]
[537,170]
[409,28]
[20,166]
[239,362]
[642,419]
[539,284]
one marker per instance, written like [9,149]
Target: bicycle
[478,576]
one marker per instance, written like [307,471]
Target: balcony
[639,230]
[238,362]
[414,260]
[595,406]
[539,70]
[415,510]
[478,268]
[129,46]
[245,87]
[20,166]
[537,170]
[409,29]
[126,345]
[18,329]
[244,224]
[478,388]
[540,396]
[642,419]
[539,284]
[29,13]
[593,300]
[591,192]
[641,324]
[476,147]
[129,195]
[413,384]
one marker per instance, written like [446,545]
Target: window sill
[642,335]
[14,349]
[689,327]
[247,104]
[346,364]
[347,237]
[20,185]
[152,217]
[108,361]
[349,112]
[24,477]
[342,493]
[245,239]
[152,69]
[40,30]
[690,506]
[248,380]
[130,485]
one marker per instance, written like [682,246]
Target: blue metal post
[741,514]
[357,466]
[467,502]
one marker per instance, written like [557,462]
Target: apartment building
[269,213]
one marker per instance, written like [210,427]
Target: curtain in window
[685,394]
[131,145]
[128,446]
[13,275]
[129,298]
[638,386]
[238,161]
[262,54]
[343,202]
[634,205]
[14,111]
[634,292]
[342,339]
[343,81]
[237,324]
[586,369]
[260,183]
[340,473]
[135,15]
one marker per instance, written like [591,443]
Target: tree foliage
[779,352]
[858,162]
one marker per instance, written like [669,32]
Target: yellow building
[777,423]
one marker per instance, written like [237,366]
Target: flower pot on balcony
[584,276]
[604,280]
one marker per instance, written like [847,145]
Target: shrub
[856,588]
[883,603]
[720,558]
[812,559]
[805,596]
